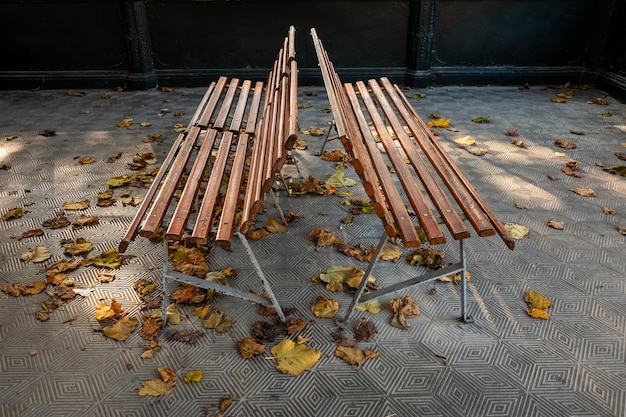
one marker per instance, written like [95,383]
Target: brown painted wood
[207,114]
[242,102]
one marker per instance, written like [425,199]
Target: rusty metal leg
[464,317]
[368,272]
[261,275]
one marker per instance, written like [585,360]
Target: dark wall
[139,43]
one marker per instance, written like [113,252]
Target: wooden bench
[228,158]
[380,129]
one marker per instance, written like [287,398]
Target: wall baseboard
[614,84]
[28,80]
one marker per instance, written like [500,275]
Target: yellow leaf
[39,254]
[439,123]
[14,213]
[354,356]
[273,226]
[607,210]
[86,160]
[313,131]
[538,313]
[118,181]
[167,375]
[155,387]
[108,259]
[560,154]
[79,246]
[125,123]
[193,376]
[294,359]
[218,321]
[201,312]
[558,100]
[76,205]
[338,180]
[389,253]
[536,300]
[172,315]
[122,329]
[325,307]
[372,306]
[105,311]
[517,231]
[483,119]
[465,140]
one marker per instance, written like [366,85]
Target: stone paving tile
[505,364]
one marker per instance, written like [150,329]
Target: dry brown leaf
[105,311]
[556,224]
[295,325]
[584,191]
[323,237]
[31,233]
[517,231]
[564,143]
[250,346]
[14,213]
[607,210]
[121,330]
[76,205]
[334,156]
[274,226]
[225,403]
[155,387]
[538,313]
[621,230]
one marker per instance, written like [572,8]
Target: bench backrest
[376,116]
[226,159]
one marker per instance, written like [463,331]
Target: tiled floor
[505,364]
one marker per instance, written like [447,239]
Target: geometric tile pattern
[504,364]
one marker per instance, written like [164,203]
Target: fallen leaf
[225,403]
[456,277]
[440,122]
[402,309]
[274,226]
[155,387]
[416,95]
[105,276]
[620,155]
[85,221]
[560,154]
[536,300]
[86,160]
[294,359]
[250,346]
[31,233]
[334,156]
[79,246]
[427,257]
[607,114]
[47,133]
[372,306]
[56,223]
[295,325]
[476,151]
[577,132]
[558,100]
[39,254]
[323,237]
[186,336]
[607,210]
[564,143]
[35,287]
[338,180]
[172,314]
[538,313]
[325,110]
[325,307]
[354,356]
[599,101]
[556,224]
[193,376]
[125,123]
[118,181]
[621,230]
[517,231]
[483,119]
[121,330]
[313,131]
[105,311]
[365,330]
[218,321]
[617,170]
[584,191]
[76,205]
[110,258]
[511,132]
[465,140]
[14,213]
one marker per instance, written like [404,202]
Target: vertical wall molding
[421,27]
[141,73]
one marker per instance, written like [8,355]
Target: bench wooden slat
[402,219]
[448,175]
[455,224]
[292,121]
[253,114]
[226,224]
[188,196]
[422,210]
[502,232]
[205,119]
[204,218]
[222,115]
[253,185]
[157,212]
[235,124]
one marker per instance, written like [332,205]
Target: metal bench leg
[280,211]
[164,286]
[368,272]
[328,138]
[464,317]
[261,275]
